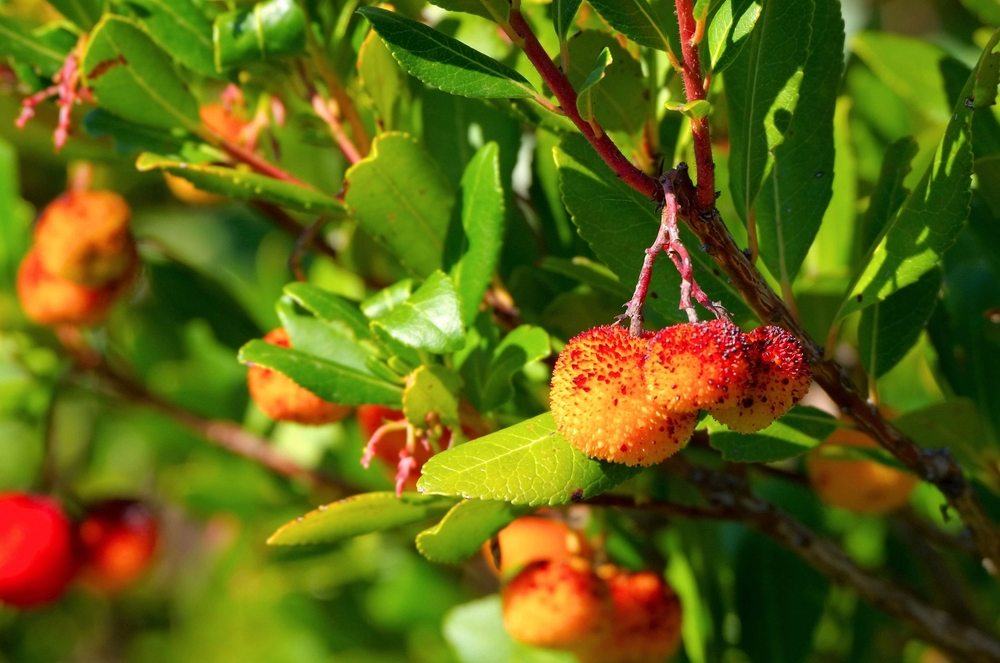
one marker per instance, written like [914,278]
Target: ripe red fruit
[698,365]
[36,550]
[51,300]
[599,401]
[282,399]
[118,539]
[534,538]
[646,619]
[84,237]
[780,379]
[557,604]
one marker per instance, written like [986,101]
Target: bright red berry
[36,550]
[599,401]
[698,365]
[780,379]
[118,539]
[282,399]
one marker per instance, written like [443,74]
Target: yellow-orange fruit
[645,623]
[532,539]
[780,378]
[51,300]
[83,236]
[188,193]
[599,401]
[282,399]
[222,121]
[693,366]
[557,604]
[864,486]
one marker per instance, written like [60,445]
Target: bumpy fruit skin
[36,550]
[84,237]
[646,620]
[863,486]
[533,538]
[699,365]
[557,604]
[118,539]
[50,300]
[599,403]
[282,399]
[780,378]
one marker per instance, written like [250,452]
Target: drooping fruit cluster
[282,399]
[82,259]
[863,486]
[557,599]
[636,400]
[41,551]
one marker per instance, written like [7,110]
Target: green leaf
[563,15]
[695,110]
[476,633]
[620,224]
[25,47]
[244,185]
[491,10]
[462,531]
[432,389]
[429,319]
[930,218]
[387,298]
[330,381]
[382,79]
[890,328]
[132,77]
[357,515]
[728,31]
[332,341]
[329,307]
[957,425]
[889,192]
[643,23]
[584,99]
[84,13]
[181,28]
[910,67]
[792,435]
[526,464]
[517,349]
[399,196]
[782,93]
[443,62]
[131,138]
[482,208]
[268,30]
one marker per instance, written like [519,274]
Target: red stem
[564,92]
[694,88]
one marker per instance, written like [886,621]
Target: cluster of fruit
[82,259]
[42,551]
[636,399]
[555,597]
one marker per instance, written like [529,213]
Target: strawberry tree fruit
[36,550]
[118,539]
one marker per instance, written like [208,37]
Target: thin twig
[331,117]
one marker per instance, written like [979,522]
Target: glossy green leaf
[464,529]
[563,15]
[244,185]
[387,298]
[328,380]
[132,77]
[889,193]
[889,329]
[329,307]
[613,89]
[429,319]
[585,90]
[268,30]
[620,224]
[792,435]
[477,247]
[382,79]
[910,67]
[84,13]
[332,341]
[930,218]
[646,24]
[728,30]
[432,390]
[443,62]
[357,515]
[26,47]
[517,349]
[528,463]
[488,9]
[399,196]
[181,28]
[782,93]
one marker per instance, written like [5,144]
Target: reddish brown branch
[694,89]
[331,117]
